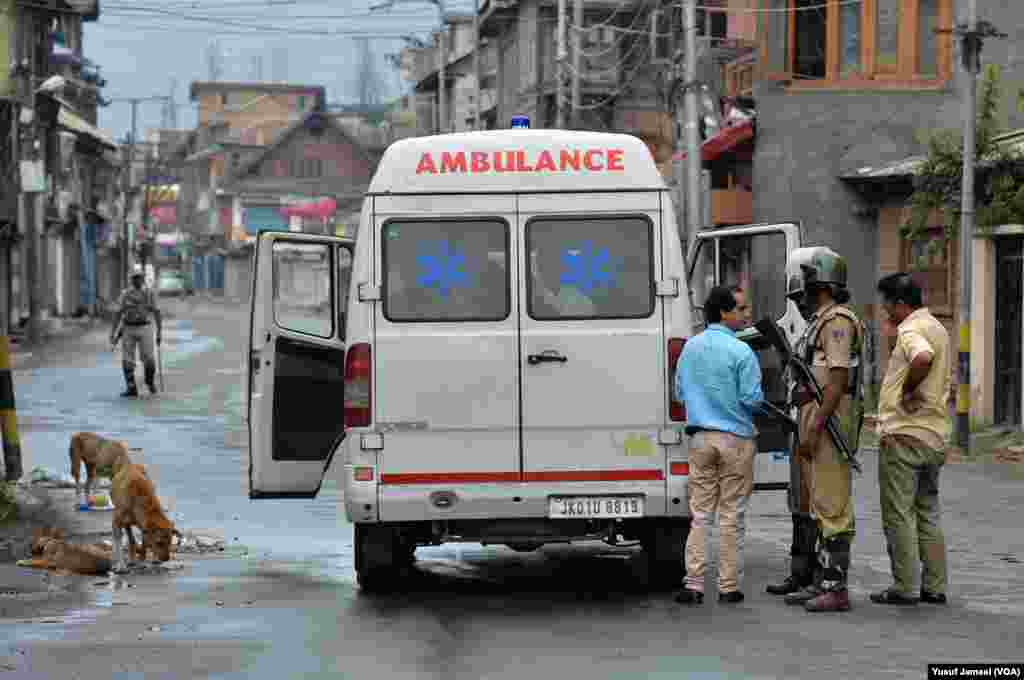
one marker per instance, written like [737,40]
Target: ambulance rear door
[593,351]
[295,373]
[755,257]
[446,388]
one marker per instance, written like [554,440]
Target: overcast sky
[140,45]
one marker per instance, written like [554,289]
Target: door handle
[547,355]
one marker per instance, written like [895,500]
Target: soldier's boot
[151,377]
[801,558]
[835,570]
[129,379]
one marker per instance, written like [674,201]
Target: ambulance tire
[376,557]
[665,546]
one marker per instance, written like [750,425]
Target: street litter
[41,476]
[198,543]
[96,503]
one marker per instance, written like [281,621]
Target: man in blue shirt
[718,379]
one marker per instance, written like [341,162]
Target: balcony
[732,206]
[739,79]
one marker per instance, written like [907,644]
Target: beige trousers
[142,338]
[722,481]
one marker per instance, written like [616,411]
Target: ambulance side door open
[296,361]
[755,257]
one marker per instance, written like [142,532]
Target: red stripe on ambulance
[404,478]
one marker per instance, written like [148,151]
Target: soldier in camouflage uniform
[136,306]
[832,348]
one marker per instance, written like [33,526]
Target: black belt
[692,430]
[144,323]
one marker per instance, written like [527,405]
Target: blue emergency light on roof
[520,122]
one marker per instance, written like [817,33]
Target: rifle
[803,375]
[118,332]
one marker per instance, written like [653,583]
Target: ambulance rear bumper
[413,502]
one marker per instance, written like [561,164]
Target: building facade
[845,90]
[49,94]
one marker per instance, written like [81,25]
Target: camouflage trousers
[908,479]
[825,485]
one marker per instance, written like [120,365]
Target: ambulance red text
[479,162]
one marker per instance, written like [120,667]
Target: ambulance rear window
[590,268]
[446,270]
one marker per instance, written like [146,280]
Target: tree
[999,181]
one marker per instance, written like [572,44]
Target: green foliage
[999,199]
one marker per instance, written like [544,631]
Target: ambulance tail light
[679,468]
[358,387]
[676,411]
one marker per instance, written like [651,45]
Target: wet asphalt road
[281,601]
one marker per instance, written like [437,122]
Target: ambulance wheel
[376,557]
[665,546]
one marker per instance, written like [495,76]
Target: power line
[640,13]
[223,5]
[780,10]
[191,16]
[257,33]
[234,24]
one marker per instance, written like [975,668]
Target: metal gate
[1009,334]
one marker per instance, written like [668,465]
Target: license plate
[595,507]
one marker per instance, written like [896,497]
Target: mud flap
[665,548]
[376,556]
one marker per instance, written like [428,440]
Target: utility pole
[125,248]
[577,61]
[126,176]
[442,86]
[692,127]
[476,66]
[561,56]
[972,38]
[31,209]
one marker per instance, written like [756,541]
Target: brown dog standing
[94,451]
[136,504]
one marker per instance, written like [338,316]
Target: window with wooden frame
[929,260]
[856,44]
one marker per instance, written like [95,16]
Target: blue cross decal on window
[587,269]
[442,267]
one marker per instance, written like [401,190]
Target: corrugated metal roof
[67,119]
[1014,140]
[902,168]
[908,166]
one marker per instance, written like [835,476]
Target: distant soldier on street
[135,309]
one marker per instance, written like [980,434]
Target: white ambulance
[492,357]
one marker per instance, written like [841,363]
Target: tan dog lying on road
[136,504]
[95,452]
[50,551]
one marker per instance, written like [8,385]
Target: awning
[70,121]
[725,141]
[321,208]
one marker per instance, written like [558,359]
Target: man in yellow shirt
[913,426]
